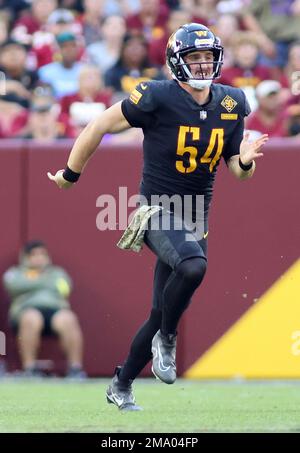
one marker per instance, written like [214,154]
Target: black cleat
[164,357]
[121,395]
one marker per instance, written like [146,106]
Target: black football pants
[180,268]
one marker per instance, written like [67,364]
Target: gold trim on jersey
[135,96]
[228,103]
[229,116]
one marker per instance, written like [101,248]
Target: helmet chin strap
[199,84]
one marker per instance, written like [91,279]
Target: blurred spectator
[91,97]
[33,20]
[81,114]
[91,100]
[226,26]
[123,7]
[19,80]
[63,76]
[293,119]
[13,63]
[39,292]
[74,5]
[91,20]
[172,4]
[202,11]
[106,52]
[45,121]
[91,89]
[245,71]
[157,47]
[150,20]
[13,118]
[4,26]
[109,7]
[292,68]
[13,7]
[62,20]
[133,66]
[233,7]
[45,48]
[270,117]
[277,24]
[291,79]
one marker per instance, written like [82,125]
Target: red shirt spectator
[91,20]
[157,47]
[150,20]
[270,117]
[13,119]
[133,66]
[28,24]
[44,45]
[104,97]
[45,49]
[203,11]
[157,50]
[35,19]
[90,91]
[240,77]
[275,128]
[245,72]
[290,75]
[201,20]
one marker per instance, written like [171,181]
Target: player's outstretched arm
[249,152]
[110,121]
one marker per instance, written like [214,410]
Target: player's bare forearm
[110,121]
[85,145]
[234,167]
[249,152]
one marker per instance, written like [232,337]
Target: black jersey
[184,141]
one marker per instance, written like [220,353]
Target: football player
[189,123]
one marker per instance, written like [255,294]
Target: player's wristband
[245,167]
[70,175]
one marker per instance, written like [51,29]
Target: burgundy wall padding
[12,221]
[254,237]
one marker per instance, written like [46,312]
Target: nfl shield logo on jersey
[203,114]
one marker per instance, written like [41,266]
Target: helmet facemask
[200,75]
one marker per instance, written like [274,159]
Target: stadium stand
[38,40]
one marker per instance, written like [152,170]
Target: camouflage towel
[133,236]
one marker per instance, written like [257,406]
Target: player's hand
[250,151]
[60,180]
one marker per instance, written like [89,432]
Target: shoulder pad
[233,98]
[143,96]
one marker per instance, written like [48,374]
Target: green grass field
[187,406]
